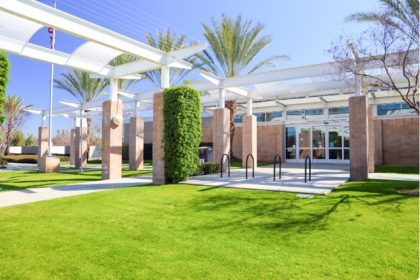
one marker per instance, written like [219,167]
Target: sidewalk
[394,176]
[10,198]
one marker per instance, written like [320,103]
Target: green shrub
[182,132]
[207,168]
[4,79]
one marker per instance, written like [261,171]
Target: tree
[167,41]
[392,42]
[15,117]
[30,141]
[4,78]
[61,138]
[81,86]
[18,139]
[234,45]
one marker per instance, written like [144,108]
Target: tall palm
[81,86]
[234,45]
[15,116]
[167,41]
[402,15]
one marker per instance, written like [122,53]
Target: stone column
[359,134]
[371,142]
[80,151]
[136,143]
[42,143]
[221,135]
[157,139]
[73,146]
[281,145]
[249,139]
[112,139]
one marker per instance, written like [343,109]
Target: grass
[396,169]
[364,230]
[18,180]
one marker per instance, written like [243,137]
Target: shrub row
[207,168]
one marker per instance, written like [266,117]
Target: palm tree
[234,45]
[15,116]
[81,86]
[167,41]
[402,15]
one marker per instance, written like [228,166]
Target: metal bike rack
[246,166]
[221,165]
[277,158]
[310,167]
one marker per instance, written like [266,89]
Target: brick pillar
[378,142]
[80,151]
[249,139]
[136,143]
[111,140]
[281,144]
[42,143]
[359,134]
[157,139]
[371,142]
[221,134]
[73,146]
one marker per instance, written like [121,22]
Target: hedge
[207,168]
[182,132]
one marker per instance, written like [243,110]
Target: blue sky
[303,30]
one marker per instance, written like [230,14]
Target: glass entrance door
[321,142]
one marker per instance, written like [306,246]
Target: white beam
[165,77]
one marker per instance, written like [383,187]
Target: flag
[52,39]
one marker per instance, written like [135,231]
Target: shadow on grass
[286,212]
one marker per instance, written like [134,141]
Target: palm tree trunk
[231,105]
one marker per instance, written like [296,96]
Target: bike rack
[277,157]
[310,167]
[246,166]
[221,165]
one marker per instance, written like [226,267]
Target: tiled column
[359,141]
[281,145]
[111,140]
[136,143]
[249,139]
[73,146]
[371,142]
[221,135]
[157,139]
[80,151]
[42,143]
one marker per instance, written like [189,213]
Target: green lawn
[396,169]
[364,230]
[16,180]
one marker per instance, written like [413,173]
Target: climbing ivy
[182,132]
[4,78]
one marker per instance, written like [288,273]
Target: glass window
[346,154]
[290,137]
[303,153]
[318,137]
[260,117]
[334,137]
[318,153]
[394,109]
[299,114]
[338,110]
[305,137]
[273,116]
[314,112]
[290,153]
[238,118]
[335,153]
[346,136]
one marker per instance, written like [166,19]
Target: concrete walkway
[325,178]
[394,176]
[10,198]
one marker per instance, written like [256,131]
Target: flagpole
[51,91]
